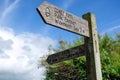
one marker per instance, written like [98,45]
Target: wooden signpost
[85,27]
[62,19]
[92,50]
[67,54]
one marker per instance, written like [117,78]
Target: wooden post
[92,50]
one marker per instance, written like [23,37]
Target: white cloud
[67,4]
[23,51]
[8,8]
[110,29]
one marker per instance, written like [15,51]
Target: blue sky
[24,17]
[24,37]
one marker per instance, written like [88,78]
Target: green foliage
[75,69]
[110,54]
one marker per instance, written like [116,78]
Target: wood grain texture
[92,50]
[62,19]
[66,55]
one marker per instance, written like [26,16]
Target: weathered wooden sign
[62,19]
[67,54]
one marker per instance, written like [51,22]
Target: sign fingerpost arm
[92,49]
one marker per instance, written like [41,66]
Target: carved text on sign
[67,54]
[62,19]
